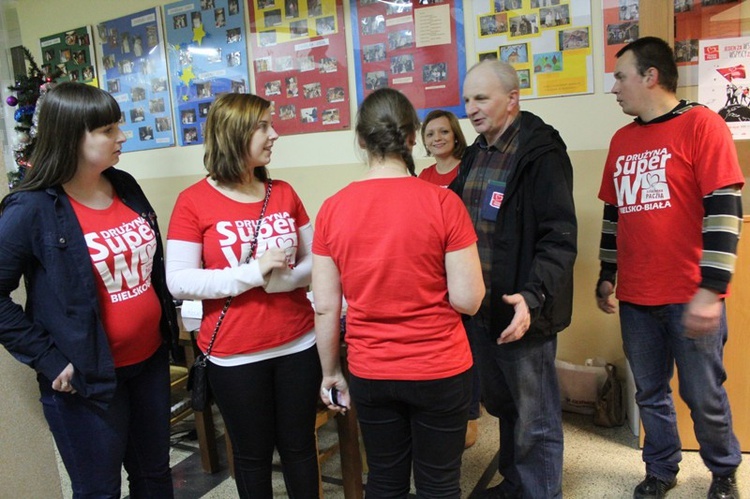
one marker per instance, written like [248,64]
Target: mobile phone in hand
[335,397]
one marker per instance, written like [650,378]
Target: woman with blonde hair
[238,233]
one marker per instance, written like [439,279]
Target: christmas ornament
[29,90]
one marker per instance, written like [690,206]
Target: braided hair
[387,125]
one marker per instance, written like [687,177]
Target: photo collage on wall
[548,42]
[299,55]
[620,25]
[132,55]
[414,47]
[696,20]
[70,54]
[207,57]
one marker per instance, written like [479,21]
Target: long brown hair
[66,113]
[231,122]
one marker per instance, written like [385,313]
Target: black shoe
[724,487]
[499,492]
[653,487]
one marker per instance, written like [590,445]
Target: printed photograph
[375,80]
[308,114]
[575,38]
[433,73]
[549,62]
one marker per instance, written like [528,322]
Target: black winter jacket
[534,244]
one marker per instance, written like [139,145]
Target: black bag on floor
[608,411]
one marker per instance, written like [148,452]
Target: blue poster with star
[207,57]
[134,65]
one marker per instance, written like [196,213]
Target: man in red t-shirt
[672,217]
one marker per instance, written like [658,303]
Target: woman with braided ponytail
[403,254]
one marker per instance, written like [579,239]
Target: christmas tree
[28,89]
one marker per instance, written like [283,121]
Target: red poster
[707,20]
[416,47]
[299,57]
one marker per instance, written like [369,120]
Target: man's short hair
[653,52]
[506,74]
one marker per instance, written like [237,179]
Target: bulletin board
[415,47]
[207,56]
[620,27]
[299,56]
[548,42]
[71,53]
[696,20]
[724,85]
[131,52]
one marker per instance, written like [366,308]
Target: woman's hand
[273,258]
[63,382]
[339,384]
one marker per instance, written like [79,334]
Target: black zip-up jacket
[534,244]
[41,240]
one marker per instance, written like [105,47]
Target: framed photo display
[207,57]
[415,47]
[71,53]
[131,52]
[299,56]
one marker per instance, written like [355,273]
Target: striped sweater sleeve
[608,245]
[722,223]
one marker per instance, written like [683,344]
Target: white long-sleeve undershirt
[188,280]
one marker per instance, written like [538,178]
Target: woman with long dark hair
[98,317]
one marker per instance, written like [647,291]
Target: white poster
[723,83]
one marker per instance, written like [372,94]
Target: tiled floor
[599,463]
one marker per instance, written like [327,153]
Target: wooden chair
[204,421]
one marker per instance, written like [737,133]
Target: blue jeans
[654,340]
[423,422]
[519,387]
[270,404]
[133,431]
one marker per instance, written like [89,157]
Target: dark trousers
[419,422]
[270,404]
[654,339]
[134,431]
[519,387]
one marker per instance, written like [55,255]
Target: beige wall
[29,466]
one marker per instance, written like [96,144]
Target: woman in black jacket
[98,314]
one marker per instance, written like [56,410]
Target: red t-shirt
[431,175]
[657,176]
[122,247]
[388,238]
[256,320]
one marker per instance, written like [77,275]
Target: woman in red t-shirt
[98,316]
[403,254]
[263,366]
[443,138]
